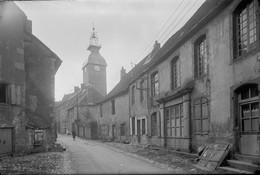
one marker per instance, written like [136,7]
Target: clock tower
[94,68]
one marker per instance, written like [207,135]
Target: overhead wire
[175,19]
[148,46]
[179,21]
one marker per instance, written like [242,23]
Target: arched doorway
[247,119]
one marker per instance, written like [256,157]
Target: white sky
[127,30]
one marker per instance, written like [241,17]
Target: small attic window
[148,59]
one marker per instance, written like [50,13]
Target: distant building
[78,111]
[27,74]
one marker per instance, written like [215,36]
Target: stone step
[247,158]
[242,165]
[234,170]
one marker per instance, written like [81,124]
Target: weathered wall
[139,108]
[40,79]
[12,73]
[121,116]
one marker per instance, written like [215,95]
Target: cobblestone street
[38,163]
[61,162]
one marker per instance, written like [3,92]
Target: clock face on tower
[97,68]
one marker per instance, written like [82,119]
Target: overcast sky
[127,30]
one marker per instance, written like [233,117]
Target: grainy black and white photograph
[129,87]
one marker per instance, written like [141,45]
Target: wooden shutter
[146,132]
[131,132]
[12,93]
[135,125]
[18,95]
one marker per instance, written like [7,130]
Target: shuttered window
[10,94]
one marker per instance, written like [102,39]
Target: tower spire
[93,40]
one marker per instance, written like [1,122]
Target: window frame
[175,73]
[38,137]
[200,102]
[154,84]
[154,124]
[133,94]
[141,91]
[178,126]
[122,129]
[113,107]
[201,59]
[250,100]
[236,32]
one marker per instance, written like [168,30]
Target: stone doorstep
[234,170]
[242,165]
[247,158]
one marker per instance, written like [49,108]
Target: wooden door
[6,144]
[139,131]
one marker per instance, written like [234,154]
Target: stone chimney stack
[122,73]
[28,26]
[83,86]
[156,46]
[76,89]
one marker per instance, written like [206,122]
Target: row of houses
[200,87]
[27,75]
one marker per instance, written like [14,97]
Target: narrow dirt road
[88,158]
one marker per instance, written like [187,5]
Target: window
[154,124]
[141,91]
[133,125]
[249,108]
[100,108]
[154,84]
[245,27]
[133,95]
[38,137]
[174,121]
[122,129]
[143,127]
[201,56]
[113,109]
[104,129]
[3,93]
[201,115]
[175,70]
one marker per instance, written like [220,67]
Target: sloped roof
[207,11]
[122,86]
[87,96]
[95,57]
[58,61]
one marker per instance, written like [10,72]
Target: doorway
[139,131]
[113,132]
[247,117]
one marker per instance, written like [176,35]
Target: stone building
[27,74]
[201,86]
[113,121]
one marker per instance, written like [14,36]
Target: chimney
[76,89]
[28,26]
[122,73]
[156,47]
[83,86]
